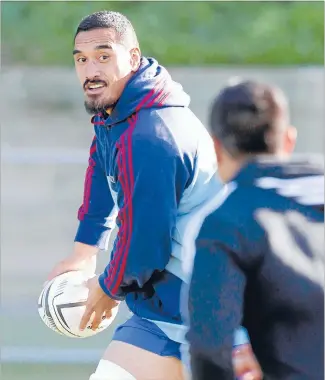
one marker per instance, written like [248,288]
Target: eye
[103,58]
[81,60]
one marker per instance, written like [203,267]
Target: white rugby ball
[61,305]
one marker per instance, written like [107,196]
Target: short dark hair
[123,28]
[248,117]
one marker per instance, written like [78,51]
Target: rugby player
[151,166]
[259,255]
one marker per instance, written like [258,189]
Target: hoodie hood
[150,87]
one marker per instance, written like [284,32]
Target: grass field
[46,372]
[37,353]
[38,338]
[220,32]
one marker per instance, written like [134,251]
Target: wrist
[101,281]
[83,251]
[83,263]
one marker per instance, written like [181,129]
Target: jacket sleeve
[151,179]
[215,304]
[97,213]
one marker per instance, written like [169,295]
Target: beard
[94,107]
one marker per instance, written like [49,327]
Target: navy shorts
[145,334]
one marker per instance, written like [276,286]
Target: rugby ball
[62,304]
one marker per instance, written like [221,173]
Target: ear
[135,56]
[290,140]
[217,149]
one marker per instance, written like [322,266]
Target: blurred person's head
[249,119]
[106,54]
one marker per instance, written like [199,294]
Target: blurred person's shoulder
[262,187]
[289,178]
[248,190]
[297,166]
[297,183]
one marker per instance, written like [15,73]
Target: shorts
[146,335]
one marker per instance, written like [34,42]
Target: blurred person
[151,166]
[259,252]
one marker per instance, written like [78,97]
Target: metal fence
[45,134]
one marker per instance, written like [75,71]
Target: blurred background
[45,132]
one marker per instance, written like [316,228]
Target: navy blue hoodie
[151,166]
[260,261]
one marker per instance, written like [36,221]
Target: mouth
[94,88]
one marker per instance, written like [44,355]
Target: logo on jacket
[111,179]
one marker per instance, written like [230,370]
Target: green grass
[176,33]
[38,336]
[46,372]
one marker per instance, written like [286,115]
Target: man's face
[103,67]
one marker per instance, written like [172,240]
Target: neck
[234,165]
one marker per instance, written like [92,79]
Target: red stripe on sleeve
[88,182]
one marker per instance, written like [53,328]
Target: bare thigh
[142,364]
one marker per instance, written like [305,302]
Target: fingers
[108,314]
[85,318]
[96,321]
[252,375]
[245,364]
[56,272]
[99,317]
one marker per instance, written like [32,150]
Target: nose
[92,70]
